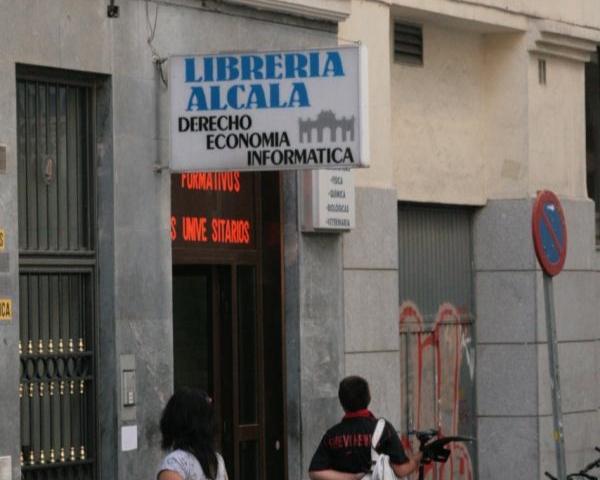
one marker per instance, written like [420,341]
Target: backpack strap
[377,433]
[375,438]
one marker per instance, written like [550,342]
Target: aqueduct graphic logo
[326,120]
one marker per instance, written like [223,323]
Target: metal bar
[47,155]
[214,312]
[42,190]
[36,165]
[61,168]
[44,310]
[55,265]
[183,256]
[22,161]
[557,416]
[52,151]
[75,280]
[88,164]
[42,74]
[72,140]
[78,161]
[57,159]
[259,318]
[31,171]
[235,368]
[75,264]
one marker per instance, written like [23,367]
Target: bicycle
[582,473]
[434,450]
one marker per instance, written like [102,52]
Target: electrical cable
[157,59]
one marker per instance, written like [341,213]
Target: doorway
[228,324]
[58,273]
[217,348]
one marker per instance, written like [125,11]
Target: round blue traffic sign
[549,232]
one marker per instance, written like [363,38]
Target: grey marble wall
[346,317]
[142,263]
[514,404]
[314,332]
[9,272]
[134,200]
[371,340]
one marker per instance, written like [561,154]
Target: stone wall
[135,312]
[515,433]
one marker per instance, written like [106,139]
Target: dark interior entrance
[216,347]
[227,328]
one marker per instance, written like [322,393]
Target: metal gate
[436,327]
[57,267]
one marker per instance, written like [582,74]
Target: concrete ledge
[336,10]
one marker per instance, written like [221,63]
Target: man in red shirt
[345,450]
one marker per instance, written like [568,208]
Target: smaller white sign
[329,201]
[129,440]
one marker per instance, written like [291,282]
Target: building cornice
[556,39]
[336,10]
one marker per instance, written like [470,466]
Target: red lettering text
[194,229]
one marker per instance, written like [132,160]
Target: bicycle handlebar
[572,476]
[434,449]
[589,466]
[582,473]
[424,435]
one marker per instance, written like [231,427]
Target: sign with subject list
[328,201]
[302,109]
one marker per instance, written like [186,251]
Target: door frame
[256,257]
[68,262]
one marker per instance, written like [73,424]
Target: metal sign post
[550,242]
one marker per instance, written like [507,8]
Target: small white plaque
[5,468]
[129,439]
[328,201]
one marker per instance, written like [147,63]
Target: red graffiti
[430,372]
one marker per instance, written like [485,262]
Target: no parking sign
[550,243]
[549,232]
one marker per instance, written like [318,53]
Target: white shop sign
[328,201]
[302,109]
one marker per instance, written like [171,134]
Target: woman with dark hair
[187,427]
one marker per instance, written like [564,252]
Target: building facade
[112,296]
[487,103]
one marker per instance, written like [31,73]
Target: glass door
[217,347]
